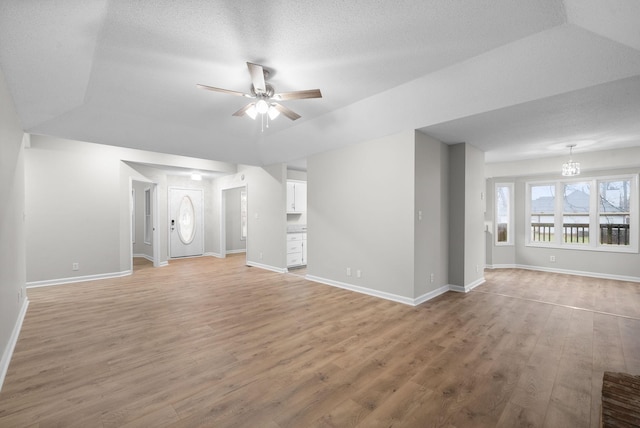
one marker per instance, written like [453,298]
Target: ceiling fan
[265,96]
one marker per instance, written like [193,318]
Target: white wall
[456,225]
[431,198]
[360,204]
[466,216]
[73,211]
[294,174]
[475,196]
[12,231]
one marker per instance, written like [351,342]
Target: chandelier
[571,168]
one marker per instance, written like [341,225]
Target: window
[594,214]
[504,214]
[575,213]
[614,211]
[148,227]
[542,199]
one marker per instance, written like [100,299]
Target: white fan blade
[257,77]
[287,112]
[225,91]
[298,95]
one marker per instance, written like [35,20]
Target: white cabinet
[296,197]
[296,249]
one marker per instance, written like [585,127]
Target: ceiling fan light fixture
[252,112]
[273,112]
[262,106]
[263,93]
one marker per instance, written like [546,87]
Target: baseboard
[430,295]
[362,290]
[474,284]
[13,339]
[266,267]
[503,266]
[216,255]
[581,273]
[468,287]
[49,282]
[236,251]
[567,272]
[144,256]
[394,297]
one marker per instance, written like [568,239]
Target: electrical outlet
[552,259]
[358,273]
[432,277]
[75,266]
[348,271]
[477,268]
[260,256]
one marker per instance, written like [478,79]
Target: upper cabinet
[296,197]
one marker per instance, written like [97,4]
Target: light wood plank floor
[213,343]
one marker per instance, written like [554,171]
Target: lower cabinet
[296,249]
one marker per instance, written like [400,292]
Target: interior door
[186,222]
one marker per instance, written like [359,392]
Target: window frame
[528,213]
[511,216]
[594,243]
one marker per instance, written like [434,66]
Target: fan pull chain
[262,121]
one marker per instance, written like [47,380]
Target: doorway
[144,228]
[233,221]
[186,222]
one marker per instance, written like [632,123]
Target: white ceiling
[519,79]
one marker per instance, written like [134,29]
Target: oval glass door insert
[186,220]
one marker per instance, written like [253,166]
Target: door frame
[223,219]
[155,245]
[169,189]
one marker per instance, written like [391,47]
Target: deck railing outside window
[610,234]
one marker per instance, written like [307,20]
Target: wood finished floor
[210,342]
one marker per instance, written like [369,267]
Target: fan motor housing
[267,94]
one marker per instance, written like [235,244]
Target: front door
[186,223]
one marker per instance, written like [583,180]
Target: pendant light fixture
[571,168]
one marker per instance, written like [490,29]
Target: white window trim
[593,245]
[510,229]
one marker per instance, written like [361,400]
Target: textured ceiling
[517,78]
